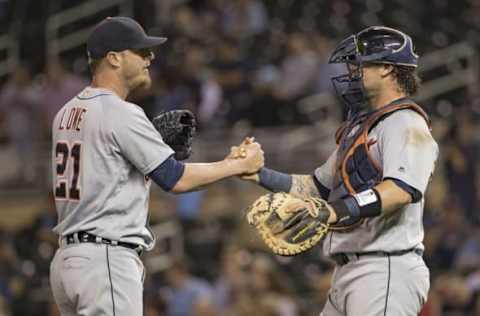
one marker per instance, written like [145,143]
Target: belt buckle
[83,237]
[340,259]
[105,241]
[352,256]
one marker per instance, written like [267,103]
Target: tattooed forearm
[303,186]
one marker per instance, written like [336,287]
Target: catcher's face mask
[374,45]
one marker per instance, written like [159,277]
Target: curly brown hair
[407,78]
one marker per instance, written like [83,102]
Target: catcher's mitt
[287,224]
[177,128]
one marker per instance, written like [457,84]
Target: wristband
[275,181]
[364,204]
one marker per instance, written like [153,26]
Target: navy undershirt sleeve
[324,191]
[414,193]
[167,174]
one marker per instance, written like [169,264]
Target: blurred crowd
[250,63]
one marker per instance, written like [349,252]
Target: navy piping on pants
[388,286]
[110,278]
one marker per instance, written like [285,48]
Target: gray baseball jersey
[103,148]
[403,146]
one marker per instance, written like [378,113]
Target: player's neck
[385,97]
[111,83]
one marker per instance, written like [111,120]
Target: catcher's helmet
[373,45]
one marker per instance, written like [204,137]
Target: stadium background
[245,67]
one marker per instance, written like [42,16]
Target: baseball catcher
[374,182]
[177,128]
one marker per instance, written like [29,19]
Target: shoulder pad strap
[339,132]
[384,112]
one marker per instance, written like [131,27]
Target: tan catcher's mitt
[289,225]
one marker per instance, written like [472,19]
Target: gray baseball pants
[376,285]
[90,279]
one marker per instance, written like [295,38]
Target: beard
[140,82]
[145,83]
[136,78]
[370,95]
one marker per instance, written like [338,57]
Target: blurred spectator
[321,286]
[186,22]
[8,265]
[442,240]
[18,100]
[462,154]
[468,253]
[182,86]
[211,98]
[231,70]
[186,293]
[298,72]
[265,108]
[37,242]
[243,19]
[323,48]
[189,204]
[232,279]
[455,297]
[175,93]
[271,286]
[59,87]
[298,69]
[4,309]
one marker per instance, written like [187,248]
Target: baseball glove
[177,128]
[287,224]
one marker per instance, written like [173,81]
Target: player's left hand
[177,128]
[290,225]
[248,158]
[239,152]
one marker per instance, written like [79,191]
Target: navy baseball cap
[117,34]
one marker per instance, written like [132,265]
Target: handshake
[249,157]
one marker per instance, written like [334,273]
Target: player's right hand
[239,152]
[252,158]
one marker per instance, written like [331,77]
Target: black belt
[82,237]
[344,258]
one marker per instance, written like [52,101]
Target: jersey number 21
[67,184]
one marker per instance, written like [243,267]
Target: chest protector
[355,169]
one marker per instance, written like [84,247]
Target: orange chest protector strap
[356,169]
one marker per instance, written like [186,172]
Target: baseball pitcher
[105,155]
[365,203]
